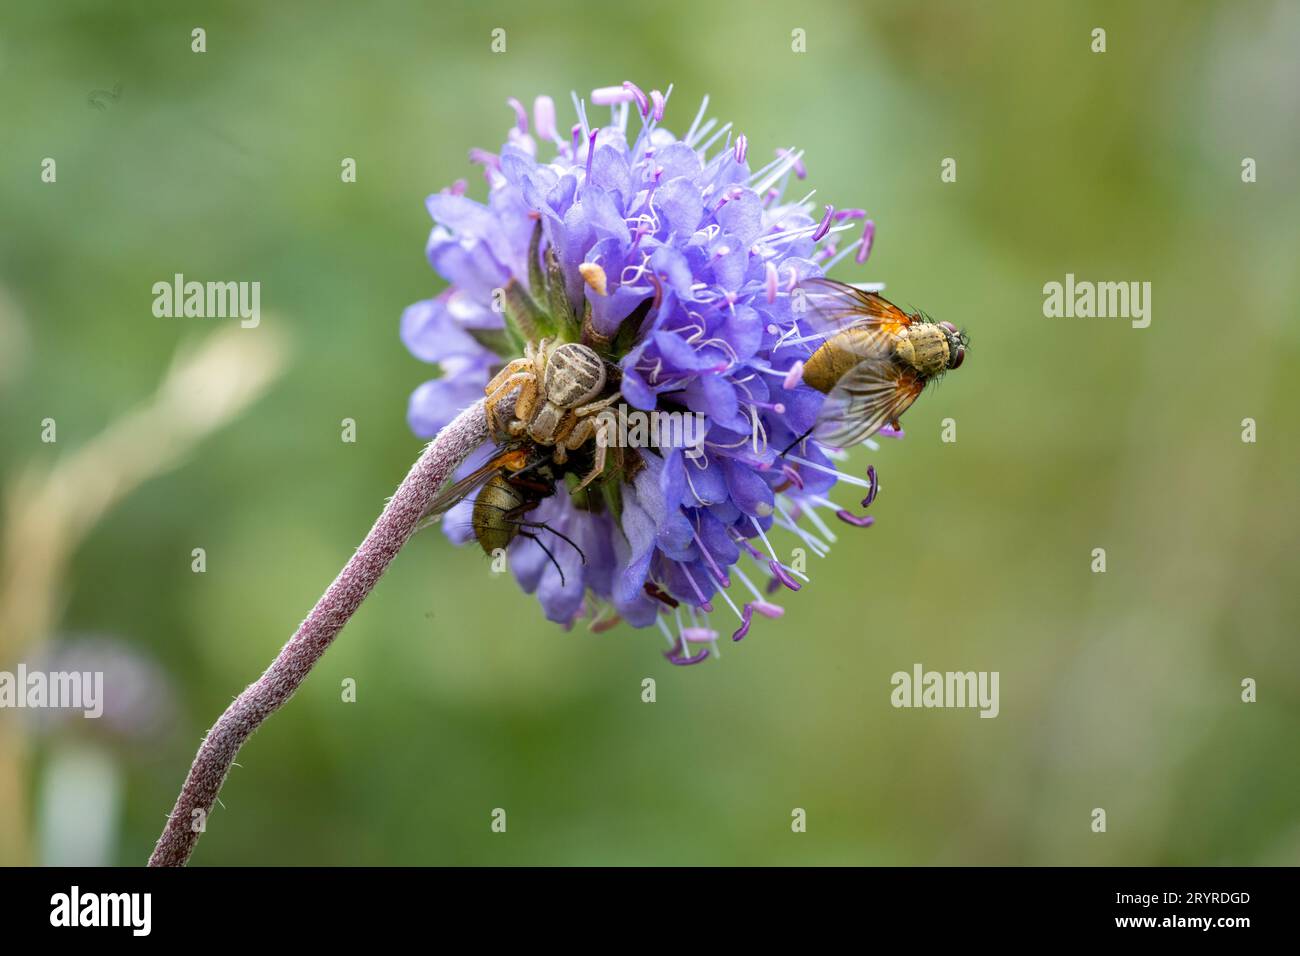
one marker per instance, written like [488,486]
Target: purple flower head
[679,264]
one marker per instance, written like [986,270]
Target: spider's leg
[525,383]
[582,411]
[511,368]
[598,464]
[526,402]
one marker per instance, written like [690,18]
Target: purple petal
[750,493]
[680,206]
[431,334]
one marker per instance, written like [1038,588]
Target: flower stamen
[825,224]
[642,104]
[521,115]
[864,245]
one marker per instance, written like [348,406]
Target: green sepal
[523,317]
[536,279]
[502,342]
[566,322]
[629,330]
[613,492]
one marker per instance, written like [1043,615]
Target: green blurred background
[1118,690]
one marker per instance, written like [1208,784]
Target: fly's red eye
[949,326]
[961,357]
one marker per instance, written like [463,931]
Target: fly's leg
[532,537]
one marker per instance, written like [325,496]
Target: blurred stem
[340,601]
[50,509]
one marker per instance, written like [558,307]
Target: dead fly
[510,485]
[556,403]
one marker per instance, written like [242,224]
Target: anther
[825,224]
[864,245]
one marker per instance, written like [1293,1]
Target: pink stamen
[659,292]
[858,521]
[544,118]
[704,602]
[799,169]
[875,486]
[779,573]
[591,150]
[734,193]
[740,632]
[718,574]
[521,116]
[642,104]
[825,224]
[673,657]
[742,147]
[794,377]
[864,247]
[611,95]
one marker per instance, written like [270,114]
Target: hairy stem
[340,601]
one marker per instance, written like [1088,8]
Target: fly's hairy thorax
[924,347]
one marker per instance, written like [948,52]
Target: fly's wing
[462,488]
[874,392]
[842,306]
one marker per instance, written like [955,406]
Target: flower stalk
[391,531]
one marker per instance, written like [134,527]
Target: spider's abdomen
[574,374]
